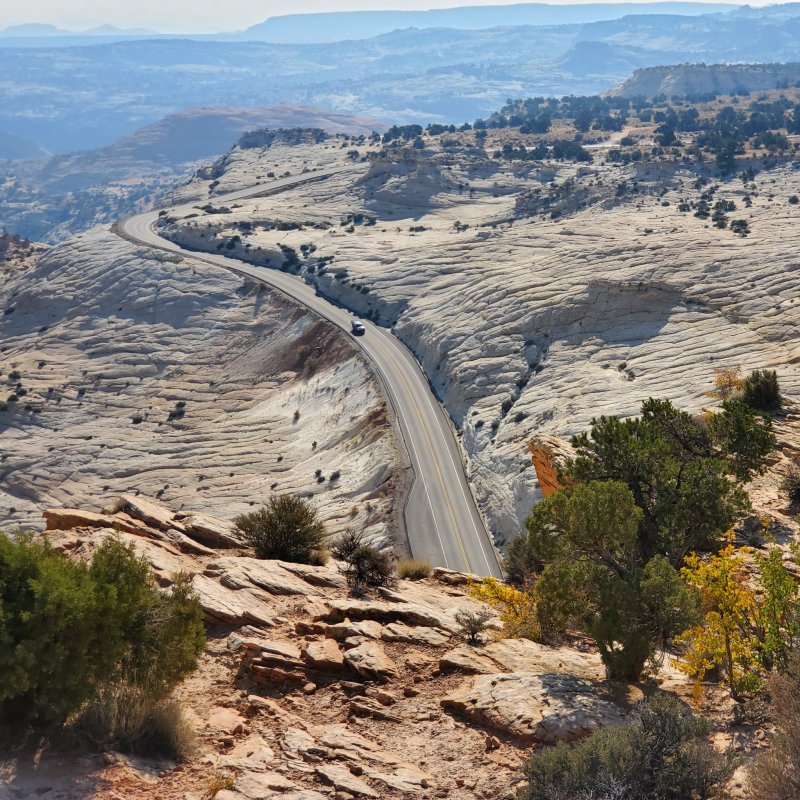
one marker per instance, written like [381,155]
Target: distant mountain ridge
[315,28]
[696,79]
[37,29]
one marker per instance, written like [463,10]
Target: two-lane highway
[443,524]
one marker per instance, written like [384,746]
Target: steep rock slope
[306,692]
[124,372]
[539,296]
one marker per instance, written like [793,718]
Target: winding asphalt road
[443,524]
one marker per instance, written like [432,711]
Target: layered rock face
[125,372]
[306,692]
[537,297]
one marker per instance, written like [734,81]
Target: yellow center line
[438,472]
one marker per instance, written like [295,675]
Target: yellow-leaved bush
[517,607]
[749,626]
[724,639]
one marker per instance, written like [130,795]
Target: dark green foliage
[743,437]
[49,650]
[405,132]
[660,753]
[681,472]
[645,492]
[287,528]
[596,577]
[520,562]
[365,566]
[68,627]
[761,390]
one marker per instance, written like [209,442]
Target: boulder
[249,755]
[67,519]
[271,647]
[186,544]
[231,607]
[324,655]
[367,707]
[549,456]
[209,530]
[340,777]
[535,708]
[370,661]
[521,655]
[345,630]
[452,578]
[150,512]
[254,573]
[326,577]
[413,614]
[259,785]
[468,660]
[398,632]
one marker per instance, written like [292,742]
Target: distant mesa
[343,25]
[38,30]
[684,80]
[112,30]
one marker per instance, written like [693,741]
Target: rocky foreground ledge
[305,692]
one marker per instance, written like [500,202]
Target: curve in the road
[442,520]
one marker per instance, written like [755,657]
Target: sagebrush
[287,528]
[661,753]
[365,566]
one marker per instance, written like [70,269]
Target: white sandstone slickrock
[153,377]
[535,327]
[536,708]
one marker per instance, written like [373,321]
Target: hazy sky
[192,16]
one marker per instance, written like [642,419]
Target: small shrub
[217,783]
[287,528]
[761,390]
[518,609]
[413,570]
[791,484]
[727,382]
[776,772]
[471,624]
[660,753]
[126,717]
[365,566]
